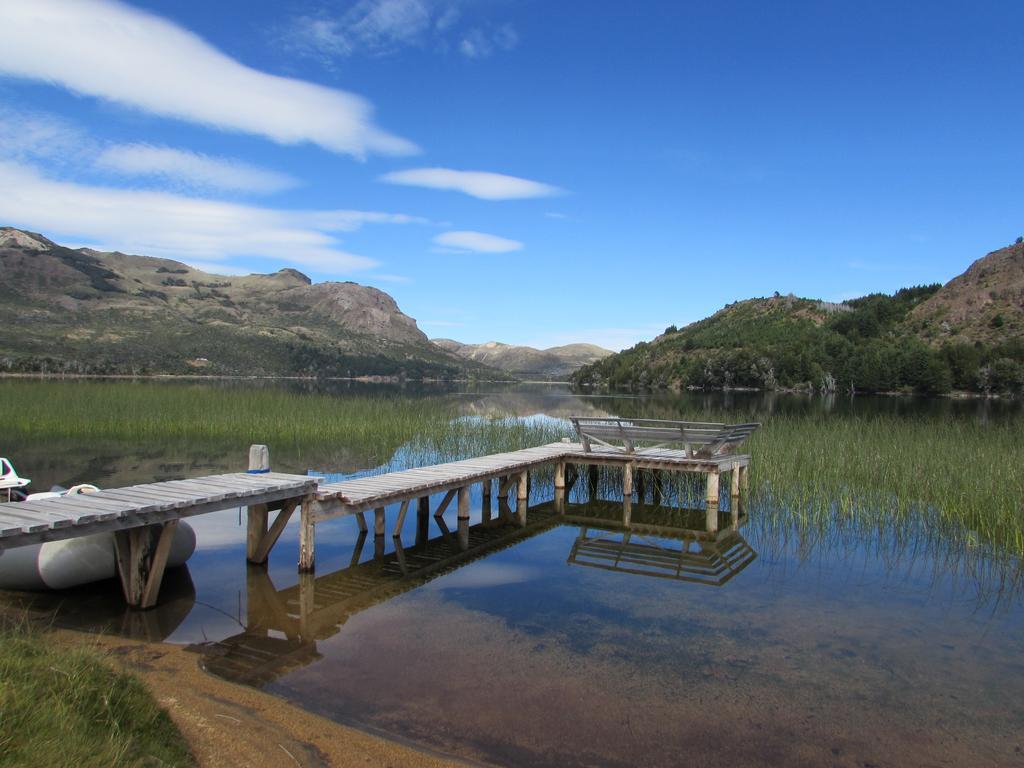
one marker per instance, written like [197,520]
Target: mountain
[86,311]
[966,335]
[554,363]
[985,304]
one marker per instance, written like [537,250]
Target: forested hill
[82,311]
[967,335]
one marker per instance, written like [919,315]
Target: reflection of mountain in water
[283,626]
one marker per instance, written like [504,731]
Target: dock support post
[464,518]
[712,503]
[744,473]
[523,497]
[257,515]
[627,512]
[422,519]
[560,475]
[307,537]
[257,554]
[524,487]
[627,480]
[307,605]
[485,506]
[141,561]
[378,533]
[734,491]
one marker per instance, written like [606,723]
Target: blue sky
[529,172]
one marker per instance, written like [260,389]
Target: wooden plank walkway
[66,517]
[353,496]
[143,517]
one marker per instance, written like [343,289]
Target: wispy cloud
[479,43]
[66,148]
[192,170]
[555,215]
[477,242]
[30,135]
[482,184]
[114,52]
[385,27]
[190,229]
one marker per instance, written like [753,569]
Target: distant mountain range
[525,362]
[90,312]
[967,335]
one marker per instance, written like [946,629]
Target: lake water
[562,639]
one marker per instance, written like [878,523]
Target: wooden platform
[143,517]
[33,522]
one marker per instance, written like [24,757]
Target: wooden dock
[143,517]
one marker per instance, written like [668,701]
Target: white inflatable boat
[73,562]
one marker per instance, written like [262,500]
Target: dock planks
[33,522]
[160,505]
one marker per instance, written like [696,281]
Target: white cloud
[387,278]
[176,226]
[384,27]
[375,26]
[28,135]
[481,184]
[555,215]
[478,242]
[479,44]
[192,169]
[115,52]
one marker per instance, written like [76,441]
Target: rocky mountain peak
[29,241]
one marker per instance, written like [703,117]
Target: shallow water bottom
[527,658]
[519,651]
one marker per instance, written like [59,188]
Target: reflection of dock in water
[663,542]
[283,626]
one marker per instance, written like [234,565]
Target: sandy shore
[230,725]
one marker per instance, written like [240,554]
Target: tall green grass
[954,483]
[67,707]
[232,417]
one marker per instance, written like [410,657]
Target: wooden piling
[141,557]
[627,480]
[712,503]
[257,515]
[307,537]
[422,519]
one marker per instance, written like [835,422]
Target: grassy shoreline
[62,706]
